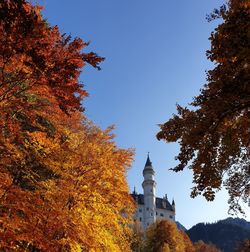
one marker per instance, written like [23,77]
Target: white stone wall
[164,214]
[139,215]
[161,214]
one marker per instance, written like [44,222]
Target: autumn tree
[214,132]
[39,71]
[87,206]
[201,246]
[163,236]
[97,201]
[63,180]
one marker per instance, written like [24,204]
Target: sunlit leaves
[163,236]
[63,180]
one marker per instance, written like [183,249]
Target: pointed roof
[148,162]
[173,203]
[148,166]
[134,192]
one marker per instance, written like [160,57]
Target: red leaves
[39,55]
[58,191]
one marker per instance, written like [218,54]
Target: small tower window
[147,208]
[156,213]
[151,214]
[162,215]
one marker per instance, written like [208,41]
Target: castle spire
[148,162]
[148,168]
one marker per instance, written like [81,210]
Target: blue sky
[155,58]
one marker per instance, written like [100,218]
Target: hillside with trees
[226,234]
[229,235]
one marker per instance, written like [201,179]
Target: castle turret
[149,185]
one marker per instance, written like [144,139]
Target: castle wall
[164,214]
[161,214]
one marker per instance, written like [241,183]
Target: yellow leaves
[164,234]
[103,203]
[87,198]
[76,248]
[40,143]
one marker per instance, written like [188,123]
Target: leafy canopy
[63,180]
[214,136]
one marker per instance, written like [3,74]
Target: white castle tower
[149,185]
[149,207]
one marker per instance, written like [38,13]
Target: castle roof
[148,162]
[148,166]
[161,203]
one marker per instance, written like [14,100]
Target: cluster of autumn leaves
[63,180]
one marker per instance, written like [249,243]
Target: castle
[149,207]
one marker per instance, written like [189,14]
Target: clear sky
[155,58]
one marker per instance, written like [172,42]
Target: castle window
[140,218]
[151,190]
[162,215]
[147,208]
[151,214]
[140,210]
[170,216]
[156,213]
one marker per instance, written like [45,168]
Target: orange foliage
[63,180]
[200,246]
[85,205]
[163,236]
